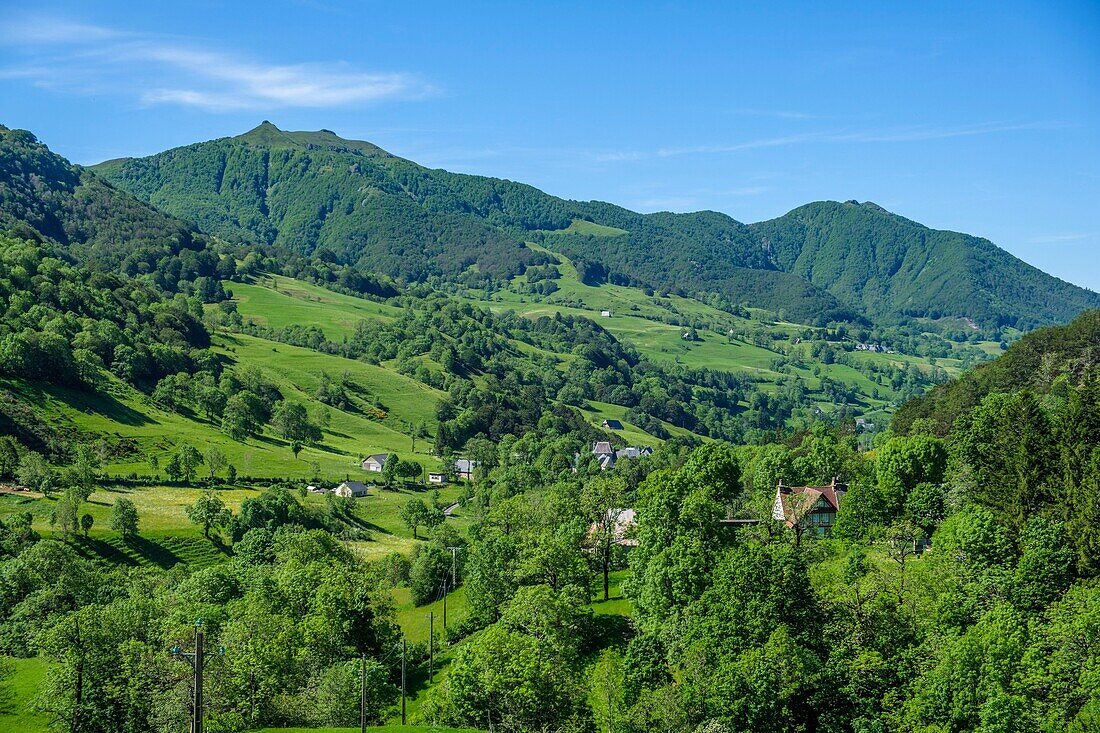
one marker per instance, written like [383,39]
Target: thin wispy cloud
[779,114]
[1060,238]
[79,58]
[915,133]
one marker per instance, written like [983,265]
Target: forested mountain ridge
[310,191]
[42,195]
[892,267]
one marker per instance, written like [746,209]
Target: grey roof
[602,448]
[356,487]
[464,465]
[632,452]
[613,424]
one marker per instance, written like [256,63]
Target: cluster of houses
[606,456]
[462,469]
[874,348]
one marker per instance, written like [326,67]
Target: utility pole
[197,660]
[454,566]
[363,694]
[431,646]
[444,605]
[404,645]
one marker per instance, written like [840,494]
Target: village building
[351,490]
[375,463]
[606,456]
[810,509]
[610,424]
[437,478]
[464,468]
[605,313]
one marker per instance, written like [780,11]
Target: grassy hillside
[16,715]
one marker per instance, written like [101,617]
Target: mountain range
[317,194]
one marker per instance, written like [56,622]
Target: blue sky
[979,117]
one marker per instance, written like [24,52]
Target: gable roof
[355,486]
[602,448]
[613,424]
[793,503]
[379,458]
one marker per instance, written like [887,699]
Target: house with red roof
[809,508]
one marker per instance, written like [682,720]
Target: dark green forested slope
[42,195]
[890,266]
[1034,362]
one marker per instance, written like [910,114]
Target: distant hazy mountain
[310,191]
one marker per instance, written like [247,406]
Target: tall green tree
[124,517]
[209,511]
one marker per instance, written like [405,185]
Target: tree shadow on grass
[607,630]
[89,403]
[132,552]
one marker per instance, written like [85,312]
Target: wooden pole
[198,679]
[363,694]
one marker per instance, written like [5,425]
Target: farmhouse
[612,424]
[464,468]
[437,478]
[375,463]
[809,508]
[351,490]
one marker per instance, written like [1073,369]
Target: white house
[437,478]
[351,490]
[464,468]
[605,313]
[375,463]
